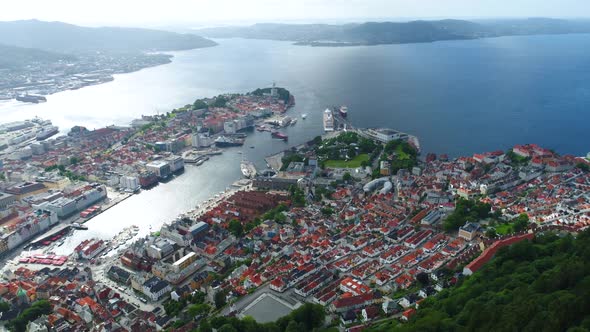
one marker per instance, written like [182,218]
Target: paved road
[99,275]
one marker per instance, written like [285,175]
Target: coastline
[103,80]
[121,196]
[161,58]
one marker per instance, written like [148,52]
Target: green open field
[353,163]
[401,154]
[503,229]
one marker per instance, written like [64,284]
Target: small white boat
[303,116]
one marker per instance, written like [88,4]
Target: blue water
[474,96]
[459,97]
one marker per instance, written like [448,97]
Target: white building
[160,167]
[155,288]
[195,140]
[176,163]
[201,140]
[384,135]
[129,183]
[230,127]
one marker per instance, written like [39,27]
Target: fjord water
[458,97]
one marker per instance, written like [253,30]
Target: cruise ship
[248,169]
[47,132]
[328,120]
[224,141]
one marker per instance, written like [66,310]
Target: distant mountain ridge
[67,38]
[373,33]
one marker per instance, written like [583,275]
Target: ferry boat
[343,111]
[201,161]
[224,141]
[248,169]
[262,128]
[328,120]
[79,226]
[279,135]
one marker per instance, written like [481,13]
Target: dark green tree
[220,299]
[235,227]
[205,326]
[227,328]
[347,177]
[584,167]
[521,222]
[491,233]
[199,104]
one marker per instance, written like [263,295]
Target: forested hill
[15,57]
[543,285]
[373,33]
[64,38]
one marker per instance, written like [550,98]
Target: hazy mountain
[62,37]
[536,26]
[14,57]
[398,32]
[410,32]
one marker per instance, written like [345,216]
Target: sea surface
[458,97]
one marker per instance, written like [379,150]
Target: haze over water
[458,97]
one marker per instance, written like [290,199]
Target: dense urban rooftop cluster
[121,156]
[365,245]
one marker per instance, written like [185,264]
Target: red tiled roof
[477,263]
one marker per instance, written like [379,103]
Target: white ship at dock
[328,120]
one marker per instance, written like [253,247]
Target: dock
[275,161]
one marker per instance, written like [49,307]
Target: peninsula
[42,58]
[352,230]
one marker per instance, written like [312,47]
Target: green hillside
[543,285]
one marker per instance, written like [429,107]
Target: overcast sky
[186,12]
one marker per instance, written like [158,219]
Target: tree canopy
[220,101]
[309,317]
[466,210]
[199,104]
[36,310]
[284,94]
[400,154]
[235,227]
[539,285]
